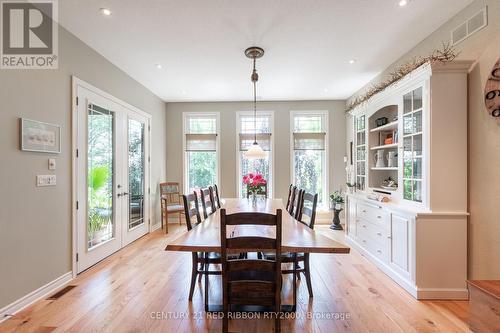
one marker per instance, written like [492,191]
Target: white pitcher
[392,159]
[379,159]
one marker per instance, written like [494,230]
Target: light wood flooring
[145,289]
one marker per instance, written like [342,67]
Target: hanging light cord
[255,78]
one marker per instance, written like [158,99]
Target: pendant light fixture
[255,151]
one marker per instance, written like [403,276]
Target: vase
[253,199]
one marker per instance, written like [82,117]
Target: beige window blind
[263,139]
[201,142]
[309,141]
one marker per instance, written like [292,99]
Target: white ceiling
[200,43]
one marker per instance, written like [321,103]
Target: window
[245,131]
[310,153]
[201,160]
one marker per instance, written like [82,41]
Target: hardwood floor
[145,289]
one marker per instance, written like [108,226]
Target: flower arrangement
[255,183]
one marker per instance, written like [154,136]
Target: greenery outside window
[310,153]
[201,150]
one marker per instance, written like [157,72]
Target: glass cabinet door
[412,145]
[360,129]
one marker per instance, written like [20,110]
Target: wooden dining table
[296,236]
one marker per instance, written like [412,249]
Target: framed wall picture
[40,137]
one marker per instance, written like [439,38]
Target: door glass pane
[417,99]
[417,191]
[407,107]
[417,168]
[408,190]
[417,145]
[407,124]
[100,180]
[136,173]
[417,122]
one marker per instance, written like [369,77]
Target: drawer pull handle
[379,233]
[379,217]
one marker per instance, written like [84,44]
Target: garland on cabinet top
[446,54]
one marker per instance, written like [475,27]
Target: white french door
[112,176]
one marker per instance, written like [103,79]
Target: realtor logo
[29,38]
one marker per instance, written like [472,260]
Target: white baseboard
[25,301]
[155,227]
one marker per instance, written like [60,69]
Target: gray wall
[228,143]
[35,223]
[483,137]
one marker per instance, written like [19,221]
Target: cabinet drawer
[379,250]
[374,231]
[374,214]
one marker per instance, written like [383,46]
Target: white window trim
[238,162]
[324,113]
[185,115]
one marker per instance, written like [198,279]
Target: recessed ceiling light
[325,90]
[105,11]
[352,61]
[402,3]
[184,92]
[159,66]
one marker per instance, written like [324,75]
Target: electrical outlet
[46,180]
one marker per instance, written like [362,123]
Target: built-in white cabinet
[410,145]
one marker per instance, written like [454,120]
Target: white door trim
[75,83]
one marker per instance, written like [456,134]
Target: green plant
[337,197]
[98,199]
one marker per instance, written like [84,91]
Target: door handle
[124,193]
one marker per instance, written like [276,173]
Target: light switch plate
[52,163]
[46,180]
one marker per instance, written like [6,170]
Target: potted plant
[337,200]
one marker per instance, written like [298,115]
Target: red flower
[258,177]
[250,175]
[245,179]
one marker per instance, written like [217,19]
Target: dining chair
[207,201]
[170,201]
[306,208]
[200,260]
[217,197]
[289,196]
[293,209]
[264,192]
[250,281]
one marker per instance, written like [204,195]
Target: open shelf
[384,169]
[392,145]
[386,127]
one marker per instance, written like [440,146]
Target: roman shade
[309,141]
[201,142]
[247,139]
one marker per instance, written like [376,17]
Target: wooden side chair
[217,197]
[289,196]
[249,281]
[295,199]
[264,192]
[200,260]
[170,199]
[207,201]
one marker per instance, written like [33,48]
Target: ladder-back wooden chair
[200,260]
[217,197]
[290,188]
[250,281]
[170,199]
[207,201]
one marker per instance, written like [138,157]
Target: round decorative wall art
[492,91]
